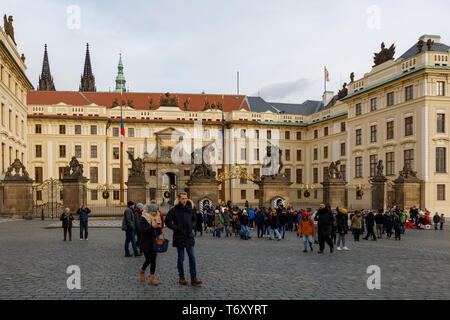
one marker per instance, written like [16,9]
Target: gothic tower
[120,79]
[46,79]
[87,79]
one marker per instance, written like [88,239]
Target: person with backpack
[275,225]
[396,222]
[267,216]
[259,221]
[244,220]
[218,223]
[341,228]
[379,222]
[251,217]
[307,229]
[370,223]
[388,221]
[356,225]
[325,220]
[403,219]
[83,212]
[227,217]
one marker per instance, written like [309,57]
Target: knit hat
[344,211]
[140,206]
[152,207]
[130,203]
[217,211]
[303,214]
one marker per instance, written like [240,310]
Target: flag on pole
[122,131]
[327,75]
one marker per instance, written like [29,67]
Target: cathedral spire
[87,79]
[120,79]
[46,79]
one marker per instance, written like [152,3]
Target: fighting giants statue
[333,171]
[74,171]
[17,166]
[272,164]
[204,169]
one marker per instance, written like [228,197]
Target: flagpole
[122,184]
[223,151]
[325,78]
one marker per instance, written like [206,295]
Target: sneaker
[331,250]
[182,281]
[338,248]
[196,282]
[86,239]
[305,251]
[81,239]
[345,248]
[128,255]
[138,254]
[320,252]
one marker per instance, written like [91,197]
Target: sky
[280,48]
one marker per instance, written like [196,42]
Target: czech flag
[122,132]
[327,75]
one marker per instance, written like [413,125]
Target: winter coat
[227,217]
[66,220]
[244,220]
[259,219]
[341,223]
[370,220]
[397,223]
[148,234]
[307,227]
[199,223]
[210,220]
[436,218]
[137,220]
[275,221]
[324,219]
[283,217]
[251,214]
[128,221]
[403,217]
[182,220]
[379,218]
[356,222]
[218,221]
[83,214]
[388,223]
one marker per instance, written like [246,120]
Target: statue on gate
[17,166]
[74,170]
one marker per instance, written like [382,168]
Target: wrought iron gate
[47,199]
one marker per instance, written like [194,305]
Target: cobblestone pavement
[92,224]
[6,220]
[34,261]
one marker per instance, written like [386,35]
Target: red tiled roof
[140,100]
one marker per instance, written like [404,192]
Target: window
[373,133]
[441,192]
[38,174]
[390,99]
[288,155]
[269,134]
[299,193]
[358,136]
[116,195]
[342,126]
[441,160]
[94,152]
[325,152]
[77,129]
[358,167]
[115,132]
[39,195]
[93,130]
[324,172]
[299,155]
[440,88]
[78,151]
[94,195]
[243,194]
[153,173]
[299,176]
[390,130]
[243,181]
[3,113]
[187,173]
[373,164]
[409,93]
[325,131]
[316,134]
[93,171]
[256,172]
[116,175]
[343,169]
[243,133]
[256,154]
[287,172]
[287,135]
[152,193]
[256,134]
[342,149]
[61,173]
[10,120]
[390,163]
[316,175]
[408,156]
[256,194]
[315,154]
[38,151]
[38,128]
[373,104]
[62,129]
[440,122]
[243,154]
[409,126]
[299,135]
[358,109]
[116,153]
[62,151]
[131,132]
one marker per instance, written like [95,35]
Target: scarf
[152,219]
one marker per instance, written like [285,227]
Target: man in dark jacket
[181,219]
[379,221]
[83,212]
[324,219]
[275,225]
[129,226]
[259,220]
[370,221]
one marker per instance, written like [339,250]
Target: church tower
[46,79]
[87,79]
[120,79]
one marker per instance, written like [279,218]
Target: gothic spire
[87,79]
[120,79]
[46,79]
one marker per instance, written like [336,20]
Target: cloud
[284,90]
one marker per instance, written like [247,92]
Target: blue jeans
[307,239]
[403,227]
[129,237]
[244,231]
[282,230]
[190,252]
[218,233]
[436,225]
[266,230]
[275,232]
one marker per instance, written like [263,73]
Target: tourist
[397,223]
[227,217]
[436,220]
[403,219]
[83,212]
[307,229]
[267,216]
[379,222]
[251,216]
[199,223]
[67,218]
[138,209]
[388,221]
[370,223]
[356,225]
[150,225]
[275,225]
[129,226]
[259,221]
[210,221]
[282,213]
[324,219]
[334,227]
[442,221]
[244,220]
[181,220]
[218,223]
[341,227]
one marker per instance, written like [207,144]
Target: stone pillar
[407,189]
[334,191]
[137,192]
[74,186]
[379,195]
[17,192]
[203,188]
[271,187]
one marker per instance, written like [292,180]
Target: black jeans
[356,234]
[442,225]
[260,231]
[83,227]
[324,238]
[65,233]
[370,232]
[333,237]
[138,240]
[150,259]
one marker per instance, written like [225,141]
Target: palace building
[397,112]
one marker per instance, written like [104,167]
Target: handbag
[160,244]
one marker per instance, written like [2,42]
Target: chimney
[327,97]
